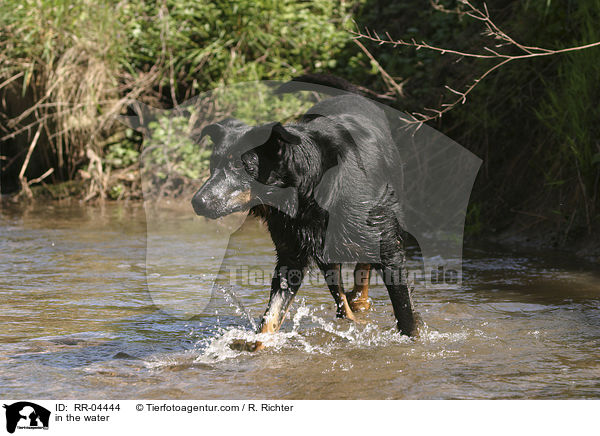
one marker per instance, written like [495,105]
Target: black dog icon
[27,415]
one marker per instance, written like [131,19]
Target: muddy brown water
[78,319]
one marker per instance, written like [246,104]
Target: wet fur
[333,158]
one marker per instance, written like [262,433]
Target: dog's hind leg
[333,278]
[358,299]
[392,268]
[406,317]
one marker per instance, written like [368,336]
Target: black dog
[321,186]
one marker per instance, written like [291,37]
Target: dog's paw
[243,345]
[351,317]
[414,328]
[419,325]
[360,304]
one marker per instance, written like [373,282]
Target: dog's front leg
[284,286]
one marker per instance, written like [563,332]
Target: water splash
[312,334]
[237,305]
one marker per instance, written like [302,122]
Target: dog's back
[366,181]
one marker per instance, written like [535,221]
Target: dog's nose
[199,204]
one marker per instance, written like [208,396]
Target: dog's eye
[238,164]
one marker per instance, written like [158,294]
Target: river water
[81,318]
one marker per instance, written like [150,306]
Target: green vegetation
[72,67]
[569,110]
[69,68]
[534,122]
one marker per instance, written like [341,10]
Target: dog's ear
[281,132]
[266,134]
[215,131]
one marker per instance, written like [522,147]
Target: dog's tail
[327,83]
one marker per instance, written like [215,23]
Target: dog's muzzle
[203,207]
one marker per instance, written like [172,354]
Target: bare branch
[42,177]
[390,82]
[491,30]
[22,178]
[9,80]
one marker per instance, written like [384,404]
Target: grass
[76,65]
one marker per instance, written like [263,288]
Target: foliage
[123,153]
[533,122]
[71,67]
[78,65]
[208,44]
[569,110]
[171,152]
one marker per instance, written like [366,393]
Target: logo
[26,415]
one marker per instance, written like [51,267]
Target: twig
[491,30]
[40,178]
[386,77]
[7,81]
[535,215]
[22,178]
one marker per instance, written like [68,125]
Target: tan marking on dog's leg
[359,297]
[271,322]
[333,278]
[270,326]
[346,308]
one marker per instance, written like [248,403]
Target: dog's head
[245,168]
